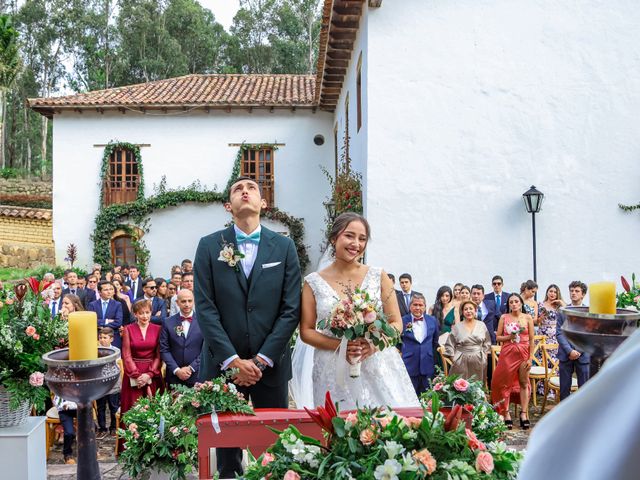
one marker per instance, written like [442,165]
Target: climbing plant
[111,217]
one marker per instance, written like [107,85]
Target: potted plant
[160,434]
[27,331]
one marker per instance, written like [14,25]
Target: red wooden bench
[250,432]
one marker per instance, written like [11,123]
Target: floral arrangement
[487,424]
[514,329]
[230,255]
[377,443]
[360,316]
[160,432]
[631,295]
[454,390]
[27,331]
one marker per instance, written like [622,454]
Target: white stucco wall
[185,148]
[470,103]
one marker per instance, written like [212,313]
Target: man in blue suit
[420,334]
[109,311]
[181,343]
[496,301]
[571,359]
[158,305]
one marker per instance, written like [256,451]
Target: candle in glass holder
[602,298]
[83,332]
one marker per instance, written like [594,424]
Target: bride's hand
[367,348]
[354,351]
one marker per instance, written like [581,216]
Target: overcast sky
[224,10]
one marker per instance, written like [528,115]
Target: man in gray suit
[247,290]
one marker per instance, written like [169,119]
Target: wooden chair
[539,371]
[495,355]
[553,380]
[446,360]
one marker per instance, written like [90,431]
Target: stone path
[110,470]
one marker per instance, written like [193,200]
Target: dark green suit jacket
[247,316]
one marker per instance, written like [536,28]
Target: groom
[247,307]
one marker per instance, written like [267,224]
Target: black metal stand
[533,228]
[88,468]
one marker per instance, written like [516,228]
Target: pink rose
[370,317]
[484,462]
[352,418]
[133,427]
[413,422]
[36,336]
[267,459]
[425,458]
[384,421]
[195,403]
[36,379]
[461,385]
[174,430]
[367,437]
[30,331]
[437,387]
[474,443]
[291,475]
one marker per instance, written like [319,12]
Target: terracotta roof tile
[195,90]
[24,212]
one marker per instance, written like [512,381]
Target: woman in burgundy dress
[140,357]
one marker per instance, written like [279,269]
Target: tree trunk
[43,167]
[3,100]
[27,137]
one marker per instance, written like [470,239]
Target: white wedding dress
[383,379]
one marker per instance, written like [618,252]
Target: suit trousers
[566,371]
[113,400]
[421,383]
[66,419]
[262,396]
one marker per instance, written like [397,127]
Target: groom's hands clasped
[248,373]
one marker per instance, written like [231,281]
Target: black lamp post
[533,202]
[331,209]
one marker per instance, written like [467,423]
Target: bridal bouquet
[512,328]
[360,316]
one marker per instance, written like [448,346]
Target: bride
[383,380]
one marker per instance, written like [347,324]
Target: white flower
[226,254]
[216,388]
[408,463]
[388,471]
[393,449]
[232,262]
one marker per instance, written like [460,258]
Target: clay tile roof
[24,212]
[239,90]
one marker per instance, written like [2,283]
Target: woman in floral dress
[548,315]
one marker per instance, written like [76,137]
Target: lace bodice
[326,297]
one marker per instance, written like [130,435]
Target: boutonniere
[230,255]
[180,331]
[409,327]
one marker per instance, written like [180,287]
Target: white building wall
[472,102]
[186,148]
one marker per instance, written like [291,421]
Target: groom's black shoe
[229,462]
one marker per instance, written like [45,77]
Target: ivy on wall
[110,218]
[104,168]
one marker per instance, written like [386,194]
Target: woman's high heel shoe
[524,423]
[509,424]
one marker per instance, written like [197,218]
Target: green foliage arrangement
[455,390]
[27,331]
[630,297]
[110,218]
[160,432]
[376,443]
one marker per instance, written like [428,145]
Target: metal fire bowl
[81,381]
[598,334]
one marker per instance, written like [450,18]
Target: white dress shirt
[419,329]
[250,252]
[58,304]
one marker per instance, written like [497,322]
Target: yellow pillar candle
[83,332]
[602,298]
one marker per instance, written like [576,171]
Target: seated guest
[67,411]
[469,344]
[158,306]
[109,311]
[571,359]
[187,284]
[105,337]
[70,303]
[420,334]
[124,300]
[140,357]
[181,343]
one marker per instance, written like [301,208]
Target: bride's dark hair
[341,223]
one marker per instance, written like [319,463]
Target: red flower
[468,407]
[625,284]
[36,286]
[324,415]
[453,419]
[21,290]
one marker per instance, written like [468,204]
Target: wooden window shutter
[258,164]
[123,177]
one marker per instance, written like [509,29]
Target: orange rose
[367,437]
[474,443]
[484,462]
[425,458]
